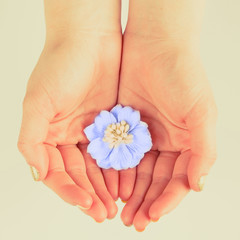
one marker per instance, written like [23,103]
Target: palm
[93,87]
[73,84]
[168,86]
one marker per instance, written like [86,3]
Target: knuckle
[137,198]
[160,179]
[129,174]
[22,147]
[93,169]
[180,176]
[144,176]
[76,171]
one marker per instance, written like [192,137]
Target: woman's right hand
[76,77]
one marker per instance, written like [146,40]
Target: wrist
[69,20]
[166,20]
[161,45]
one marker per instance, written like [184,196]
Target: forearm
[69,19]
[164,19]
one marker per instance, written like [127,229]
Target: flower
[118,139]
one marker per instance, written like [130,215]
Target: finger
[75,167]
[203,147]
[33,133]
[126,183]
[96,178]
[143,181]
[111,178]
[175,191]
[162,174]
[97,211]
[62,184]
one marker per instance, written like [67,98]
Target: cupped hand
[71,83]
[165,80]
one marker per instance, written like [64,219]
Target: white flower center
[117,133]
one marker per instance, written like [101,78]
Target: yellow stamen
[117,133]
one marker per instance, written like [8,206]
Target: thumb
[33,133]
[203,148]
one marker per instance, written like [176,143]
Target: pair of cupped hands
[75,79]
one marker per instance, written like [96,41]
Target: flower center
[116,133]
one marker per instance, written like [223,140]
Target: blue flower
[118,139]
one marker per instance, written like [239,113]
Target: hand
[75,77]
[167,83]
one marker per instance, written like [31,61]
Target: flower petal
[116,110]
[131,116]
[91,132]
[120,157]
[98,149]
[142,141]
[137,156]
[103,120]
[104,163]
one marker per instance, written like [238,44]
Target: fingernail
[201,182]
[98,221]
[128,225]
[35,173]
[155,220]
[124,201]
[140,230]
[83,208]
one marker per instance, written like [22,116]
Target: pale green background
[31,211]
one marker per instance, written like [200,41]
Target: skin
[162,76]
[70,84]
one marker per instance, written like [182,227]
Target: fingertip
[115,199]
[112,211]
[38,175]
[198,184]
[127,225]
[140,222]
[204,153]
[194,186]
[83,208]
[102,215]
[154,213]
[100,221]
[197,171]
[153,216]
[85,201]
[35,173]
[139,229]
[37,158]
[127,221]
[114,196]
[125,194]
[155,219]
[192,181]
[113,193]
[196,177]
[85,204]
[88,202]
[98,211]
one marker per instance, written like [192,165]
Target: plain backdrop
[31,211]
